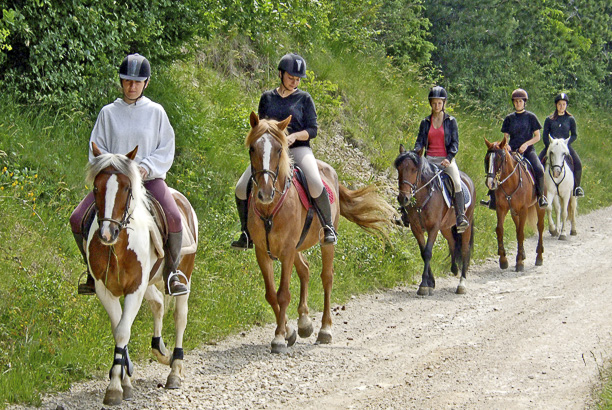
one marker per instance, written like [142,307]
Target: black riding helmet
[293,64]
[135,67]
[563,97]
[437,92]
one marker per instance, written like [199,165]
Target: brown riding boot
[89,287]
[172,285]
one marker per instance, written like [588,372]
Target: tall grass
[50,338]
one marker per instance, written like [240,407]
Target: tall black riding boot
[578,191]
[244,242]
[172,283]
[462,222]
[542,201]
[89,287]
[325,216]
[491,202]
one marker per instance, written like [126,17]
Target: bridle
[497,175]
[415,188]
[127,216]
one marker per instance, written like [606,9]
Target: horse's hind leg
[327,277]
[156,303]
[573,203]
[305,327]
[563,219]
[519,223]
[540,248]
[176,375]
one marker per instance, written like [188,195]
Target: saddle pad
[448,196]
[304,196]
[190,227]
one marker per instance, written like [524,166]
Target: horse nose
[401,198]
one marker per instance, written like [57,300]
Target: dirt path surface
[535,339]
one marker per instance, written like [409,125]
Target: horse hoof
[278,348]
[562,237]
[573,232]
[424,291]
[128,393]
[554,233]
[113,397]
[305,331]
[461,290]
[292,338]
[431,291]
[539,261]
[520,268]
[324,338]
[454,270]
[173,382]
[503,264]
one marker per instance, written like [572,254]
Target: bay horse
[276,219]
[559,183]
[126,258]
[422,201]
[507,175]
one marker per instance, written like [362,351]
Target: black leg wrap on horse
[124,361]
[156,343]
[177,354]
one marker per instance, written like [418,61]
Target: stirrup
[578,192]
[240,242]
[329,240]
[462,224]
[83,288]
[178,274]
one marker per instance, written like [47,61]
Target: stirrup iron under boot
[172,283]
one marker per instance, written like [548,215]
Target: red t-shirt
[435,139]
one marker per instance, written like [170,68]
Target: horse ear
[489,144]
[132,154]
[421,152]
[95,150]
[503,142]
[254,119]
[284,123]
[402,149]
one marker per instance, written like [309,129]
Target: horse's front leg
[551,209]
[563,217]
[499,231]
[156,303]
[519,222]
[540,247]
[285,335]
[327,277]
[267,271]
[573,203]
[428,282]
[305,327]
[176,375]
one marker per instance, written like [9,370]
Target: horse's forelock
[271,127]
[123,165]
[411,155]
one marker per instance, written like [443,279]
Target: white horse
[125,256]
[559,182]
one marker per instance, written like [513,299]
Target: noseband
[497,175]
[127,217]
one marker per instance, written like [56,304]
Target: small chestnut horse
[276,219]
[559,182]
[122,257]
[514,189]
[422,200]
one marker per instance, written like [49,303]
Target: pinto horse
[559,183]
[514,188]
[422,201]
[276,219]
[126,259]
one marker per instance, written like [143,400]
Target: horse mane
[427,168]
[267,126]
[123,165]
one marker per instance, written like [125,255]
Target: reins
[497,175]
[414,190]
[562,167]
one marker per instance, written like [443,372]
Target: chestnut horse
[423,202]
[514,188]
[121,253]
[559,182]
[276,219]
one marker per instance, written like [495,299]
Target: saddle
[525,164]
[446,186]
[159,234]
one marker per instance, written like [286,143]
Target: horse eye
[95,189]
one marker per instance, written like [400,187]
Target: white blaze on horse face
[491,172]
[267,153]
[112,187]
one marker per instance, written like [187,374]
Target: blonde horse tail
[366,208]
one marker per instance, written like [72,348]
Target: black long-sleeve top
[299,105]
[563,127]
[451,135]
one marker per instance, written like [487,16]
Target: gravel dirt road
[536,339]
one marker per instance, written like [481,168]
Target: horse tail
[366,208]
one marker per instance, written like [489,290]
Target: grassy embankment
[50,338]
